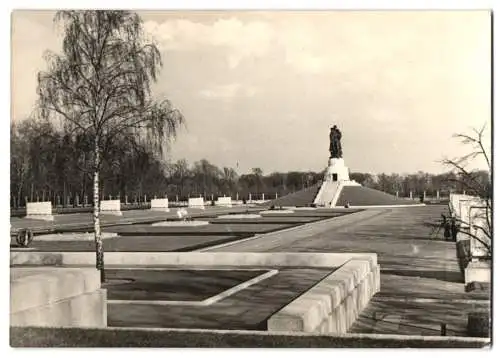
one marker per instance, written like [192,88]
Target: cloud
[241,39]
[228,91]
[307,63]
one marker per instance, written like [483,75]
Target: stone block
[86,310]
[224,201]
[50,284]
[323,327]
[376,279]
[331,324]
[455,202]
[160,205]
[111,207]
[42,296]
[361,293]
[341,295]
[39,211]
[196,203]
[478,229]
[336,170]
[341,318]
[478,272]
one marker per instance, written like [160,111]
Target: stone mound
[362,196]
[303,197]
[354,195]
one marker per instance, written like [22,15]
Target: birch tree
[101,85]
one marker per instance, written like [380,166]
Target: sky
[262,89]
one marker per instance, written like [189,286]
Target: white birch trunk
[97,223]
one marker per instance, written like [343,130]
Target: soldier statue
[335,146]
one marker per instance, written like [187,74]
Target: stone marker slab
[160,205]
[111,207]
[224,201]
[196,203]
[39,211]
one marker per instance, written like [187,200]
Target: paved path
[283,239]
[420,279]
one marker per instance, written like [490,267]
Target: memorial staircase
[327,193]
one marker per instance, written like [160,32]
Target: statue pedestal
[336,177]
[336,170]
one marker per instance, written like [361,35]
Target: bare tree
[257,174]
[229,180]
[101,85]
[473,181]
[19,160]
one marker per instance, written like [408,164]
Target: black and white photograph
[250,178]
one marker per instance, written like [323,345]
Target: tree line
[49,164]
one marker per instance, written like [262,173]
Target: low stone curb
[239,259]
[333,304]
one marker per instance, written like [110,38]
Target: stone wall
[474,216]
[240,259]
